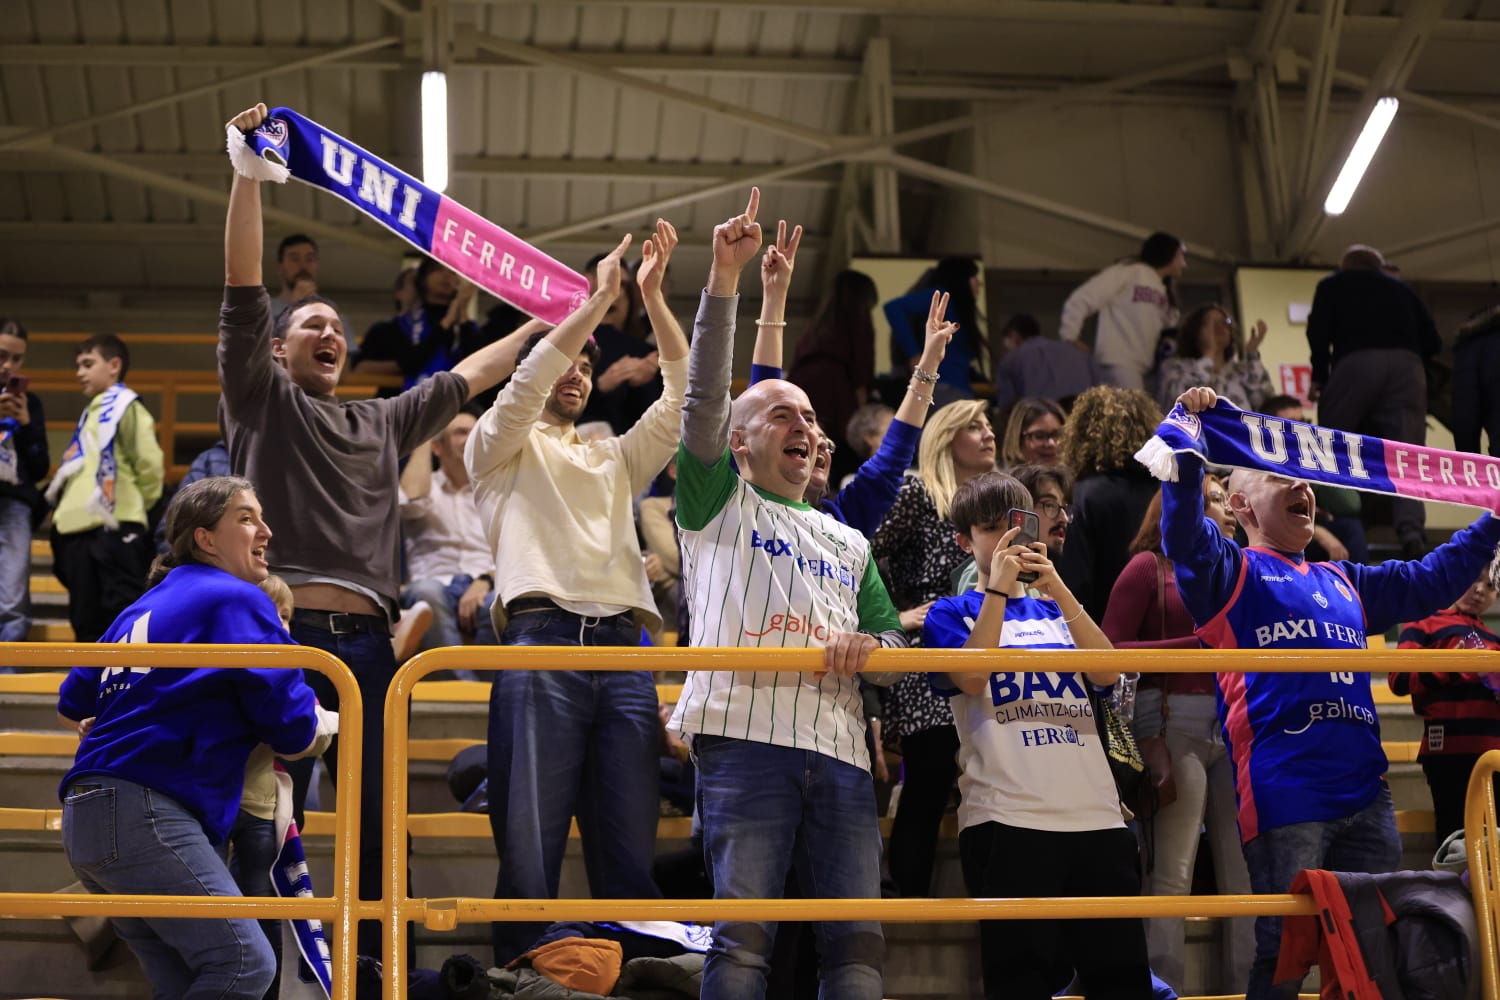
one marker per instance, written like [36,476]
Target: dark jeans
[1364,842]
[1383,392]
[1448,780]
[565,743]
[768,810]
[1033,959]
[104,571]
[373,664]
[929,763]
[252,843]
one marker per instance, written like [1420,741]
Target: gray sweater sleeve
[705,413]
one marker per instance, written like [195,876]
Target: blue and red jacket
[1305,746]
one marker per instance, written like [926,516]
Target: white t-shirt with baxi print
[1029,754]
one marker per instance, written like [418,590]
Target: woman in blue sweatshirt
[157,779]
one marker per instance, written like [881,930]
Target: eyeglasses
[1052,508]
[1042,437]
[826,446]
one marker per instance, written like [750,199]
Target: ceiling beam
[1426,102]
[1390,76]
[816,138]
[177,96]
[1047,206]
[1320,75]
[486,167]
[46,54]
[368,238]
[1234,23]
[861,148]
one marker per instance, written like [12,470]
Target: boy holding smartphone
[1039,814]
[23,461]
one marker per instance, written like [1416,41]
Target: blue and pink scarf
[290,145]
[1226,435]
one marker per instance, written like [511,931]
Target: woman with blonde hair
[1033,433]
[917,550]
[1103,433]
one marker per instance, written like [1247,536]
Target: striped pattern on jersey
[767,573]
[1461,713]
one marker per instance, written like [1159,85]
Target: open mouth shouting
[327,357]
[1300,507]
[258,553]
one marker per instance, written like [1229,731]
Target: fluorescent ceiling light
[1360,156]
[435,130]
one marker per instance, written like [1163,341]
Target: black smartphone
[17,385]
[1030,530]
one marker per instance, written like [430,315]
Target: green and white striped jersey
[764,571]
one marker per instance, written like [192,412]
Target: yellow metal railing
[339,911]
[1483,843]
[446,914]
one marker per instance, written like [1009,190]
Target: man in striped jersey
[784,774]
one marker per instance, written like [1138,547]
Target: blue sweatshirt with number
[1305,746]
[187,733]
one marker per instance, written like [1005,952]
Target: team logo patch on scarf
[1226,435]
[290,145]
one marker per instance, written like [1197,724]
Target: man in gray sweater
[326,474]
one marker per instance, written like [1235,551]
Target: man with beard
[569,572]
[1051,489]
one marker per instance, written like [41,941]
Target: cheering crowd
[589,483]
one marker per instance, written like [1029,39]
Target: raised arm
[501,432]
[494,363]
[868,498]
[1207,564]
[648,445]
[776,267]
[243,238]
[656,253]
[705,414]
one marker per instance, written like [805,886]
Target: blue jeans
[373,664]
[443,598]
[566,743]
[121,837]
[15,570]
[766,810]
[1367,841]
[253,844]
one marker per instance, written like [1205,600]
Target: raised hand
[1198,399]
[939,331]
[779,261]
[609,273]
[656,252]
[250,119]
[737,239]
[1257,337]
[1035,560]
[1005,563]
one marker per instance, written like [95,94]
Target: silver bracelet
[931,378]
[770,322]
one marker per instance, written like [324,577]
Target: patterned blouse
[1244,383]
[917,554]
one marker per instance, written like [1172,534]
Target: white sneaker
[411,628]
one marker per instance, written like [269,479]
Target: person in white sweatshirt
[1135,300]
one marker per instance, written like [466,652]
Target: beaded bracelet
[931,378]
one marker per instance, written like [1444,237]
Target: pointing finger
[753,206]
